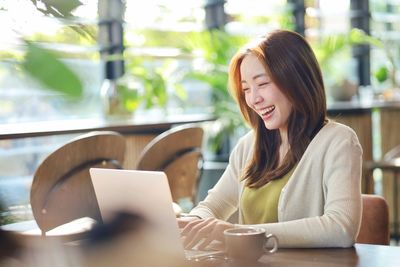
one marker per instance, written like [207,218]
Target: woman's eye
[246,89]
[263,84]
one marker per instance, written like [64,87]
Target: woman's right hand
[183,221]
[200,233]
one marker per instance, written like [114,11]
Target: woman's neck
[284,147]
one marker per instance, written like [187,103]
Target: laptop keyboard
[192,254]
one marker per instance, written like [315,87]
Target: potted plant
[331,53]
[386,74]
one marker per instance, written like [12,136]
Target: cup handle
[275,240]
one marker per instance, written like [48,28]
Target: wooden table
[360,255]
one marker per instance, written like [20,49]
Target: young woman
[296,174]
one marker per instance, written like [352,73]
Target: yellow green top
[260,205]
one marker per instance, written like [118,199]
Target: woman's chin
[270,125]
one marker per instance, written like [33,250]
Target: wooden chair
[390,163]
[375,221]
[62,190]
[178,153]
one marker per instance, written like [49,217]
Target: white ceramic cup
[248,243]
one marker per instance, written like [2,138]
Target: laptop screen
[145,193]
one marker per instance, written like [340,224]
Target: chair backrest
[177,152]
[62,190]
[375,221]
[392,153]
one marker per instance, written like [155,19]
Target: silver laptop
[143,192]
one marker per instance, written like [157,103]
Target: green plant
[387,71]
[63,10]
[155,81]
[381,74]
[333,51]
[332,45]
[216,48]
[45,67]
[48,68]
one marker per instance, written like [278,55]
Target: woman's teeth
[268,110]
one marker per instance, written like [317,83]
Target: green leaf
[382,74]
[45,67]
[180,92]
[129,97]
[63,7]
[358,36]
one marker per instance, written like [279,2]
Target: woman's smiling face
[262,95]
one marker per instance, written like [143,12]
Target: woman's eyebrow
[259,75]
[255,77]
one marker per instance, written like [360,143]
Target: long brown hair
[293,67]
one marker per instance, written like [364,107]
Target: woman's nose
[255,97]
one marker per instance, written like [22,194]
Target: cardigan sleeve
[339,223]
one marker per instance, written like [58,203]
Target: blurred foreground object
[129,240]
[126,240]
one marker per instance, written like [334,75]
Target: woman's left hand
[202,232]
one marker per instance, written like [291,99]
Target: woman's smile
[263,95]
[267,112]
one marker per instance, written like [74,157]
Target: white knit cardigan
[320,206]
